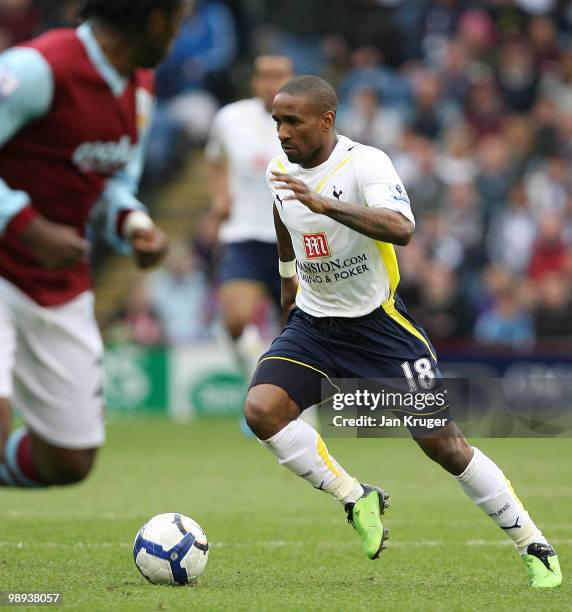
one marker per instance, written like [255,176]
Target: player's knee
[257,412]
[234,326]
[68,468]
[266,411]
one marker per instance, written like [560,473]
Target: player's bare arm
[377,223]
[289,286]
[221,198]
[55,245]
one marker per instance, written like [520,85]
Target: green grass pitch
[277,544]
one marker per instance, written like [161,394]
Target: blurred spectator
[367,24]
[543,42]
[550,186]
[368,122]
[441,310]
[439,244]
[136,322]
[437,26]
[545,115]
[367,71]
[557,83]
[496,175]
[476,30]
[426,188]
[549,252]
[485,110]
[431,114]
[457,162]
[512,232]
[553,314]
[465,222]
[178,294]
[517,75]
[455,71]
[298,26]
[507,323]
[202,54]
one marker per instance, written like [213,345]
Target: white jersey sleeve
[380,183]
[26,92]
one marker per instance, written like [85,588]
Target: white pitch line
[279,544]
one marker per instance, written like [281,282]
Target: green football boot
[365,516]
[543,567]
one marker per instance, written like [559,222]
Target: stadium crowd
[471,100]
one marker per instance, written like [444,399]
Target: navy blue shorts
[251,260]
[385,344]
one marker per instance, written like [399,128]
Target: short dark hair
[125,15]
[319,92]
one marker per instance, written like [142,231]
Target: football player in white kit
[241,144]
[339,208]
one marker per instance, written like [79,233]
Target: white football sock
[484,482]
[301,449]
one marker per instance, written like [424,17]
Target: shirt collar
[109,74]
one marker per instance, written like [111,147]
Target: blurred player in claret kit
[241,144]
[340,206]
[75,107]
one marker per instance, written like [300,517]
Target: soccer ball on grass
[171,549]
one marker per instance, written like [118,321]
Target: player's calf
[61,466]
[31,462]
[450,450]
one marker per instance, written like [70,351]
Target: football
[171,549]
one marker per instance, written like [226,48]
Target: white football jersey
[244,134]
[342,273]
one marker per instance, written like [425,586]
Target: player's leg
[247,279]
[481,479]
[284,385]
[274,417]
[485,483]
[58,390]
[240,303]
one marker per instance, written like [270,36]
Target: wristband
[136,220]
[287,269]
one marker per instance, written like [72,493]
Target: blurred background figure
[242,143]
[178,295]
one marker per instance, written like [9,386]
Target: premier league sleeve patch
[398,193]
[9,83]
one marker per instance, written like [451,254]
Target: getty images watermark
[418,409]
[482,407]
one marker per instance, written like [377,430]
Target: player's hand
[150,246]
[55,245]
[300,191]
[289,288]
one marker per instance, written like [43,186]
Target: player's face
[270,73]
[162,29]
[302,130]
